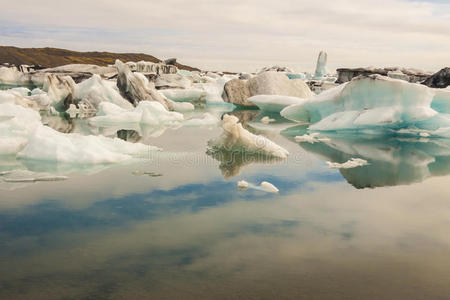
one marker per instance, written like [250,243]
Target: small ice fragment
[268,187]
[310,138]
[242,185]
[424,134]
[352,163]
[267,120]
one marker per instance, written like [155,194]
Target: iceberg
[268,187]
[96,90]
[266,120]
[242,185]
[321,66]
[60,90]
[184,95]
[47,144]
[264,186]
[135,87]
[373,104]
[13,76]
[236,138]
[274,103]
[146,112]
[17,124]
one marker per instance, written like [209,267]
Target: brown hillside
[53,57]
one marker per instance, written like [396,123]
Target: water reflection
[233,161]
[392,161]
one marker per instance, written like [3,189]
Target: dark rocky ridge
[54,57]
[347,74]
[440,79]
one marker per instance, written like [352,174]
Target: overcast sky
[239,35]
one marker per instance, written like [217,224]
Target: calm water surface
[174,226]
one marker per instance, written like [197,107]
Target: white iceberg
[47,144]
[351,163]
[13,76]
[274,103]
[268,187]
[184,95]
[369,103]
[321,66]
[242,185]
[147,112]
[267,120]
[235,137]
[96,90]
[17,124]
[264,186]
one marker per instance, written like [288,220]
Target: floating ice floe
[242,185]
[147,112]
[185,95]
[96,90]
[310,138]
[352,163]
[274,103]
[268,187]
[264,186]
[235,137]
[47,144]
[374,104]
[267,120]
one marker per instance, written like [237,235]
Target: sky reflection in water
[109,232]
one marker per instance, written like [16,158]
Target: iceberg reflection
[392,161]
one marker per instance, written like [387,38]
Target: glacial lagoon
[173,224]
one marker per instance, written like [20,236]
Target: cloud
[237,35]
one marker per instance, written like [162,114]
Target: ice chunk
[242,185]
[60,89]
[135,87]
[95,90]
[182,95]
[366,102]
[352,163]
[147,112]
[310,138]
[235,137]
[274,103]
[13,76]
[181,106]
[14,97]
[267,120]
[268,187]
[264,186]
[47,144]
[16,126]
[321,66]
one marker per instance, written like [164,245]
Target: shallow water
[173,225]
